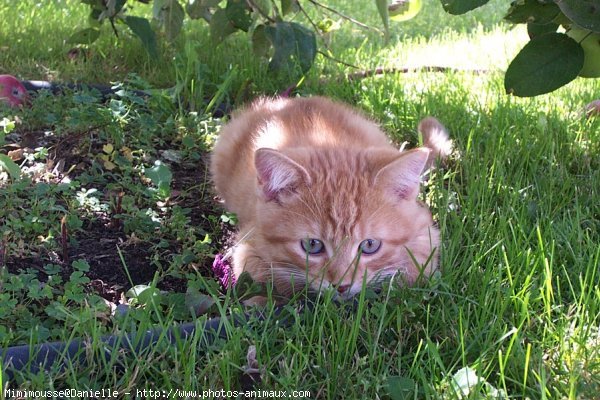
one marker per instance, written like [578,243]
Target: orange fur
[310,168]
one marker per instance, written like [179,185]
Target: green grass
[517,300]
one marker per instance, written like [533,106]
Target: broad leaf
[461,6]
[172,15]
[546,63]
[198,303]
[142,29]
[534,30]
[585,13]
[84,36]
[532,12]
[220,26]
[261,45]
[9,166]
[118,6]
[292,42]
[262,7]
[238,14]
[590,43]
[144,294]
[94,17]
[289,6]
[160,174]
[197,9]
[157,6]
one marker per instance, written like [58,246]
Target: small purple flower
[223,271]
[287,93]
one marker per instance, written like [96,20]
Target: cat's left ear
[402,176]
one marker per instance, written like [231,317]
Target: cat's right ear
[402,177]
[277,173]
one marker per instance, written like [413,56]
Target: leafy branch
[551,59]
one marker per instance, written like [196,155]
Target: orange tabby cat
[323,198]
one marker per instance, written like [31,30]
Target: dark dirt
[100,240]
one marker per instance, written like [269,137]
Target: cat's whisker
[303,216]
[391,272]
[377,210]
[310,207]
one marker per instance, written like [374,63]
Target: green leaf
[261,45]
[546,63]
[94,17]
[220,26]
[590,43]
[160,174]
[144,294]
[238,13]
[176,303]
[78,278]
[260,7]
[245,287]
[142,29]
[244,282]
[292,42]
[382,8]
[119,6]
[532,12]
[585,13]
[6,124]
[289,6]
[172,15]
[400,388]
[157,6]
[197,9]
[81,265]
[9,166]
[84,36]
[198,303]
[534,30]
[457,7]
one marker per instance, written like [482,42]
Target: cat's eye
[312,246]
[369,246]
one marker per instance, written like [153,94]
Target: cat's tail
[436,139]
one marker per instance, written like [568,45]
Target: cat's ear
[402,176]
[277,173]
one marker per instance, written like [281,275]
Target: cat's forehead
[342,200]
[340,194]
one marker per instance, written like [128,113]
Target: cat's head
[337,218]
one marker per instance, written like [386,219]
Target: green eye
[312,246]
[369,246]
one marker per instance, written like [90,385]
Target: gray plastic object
[43,356]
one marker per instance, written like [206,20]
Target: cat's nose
[343,288]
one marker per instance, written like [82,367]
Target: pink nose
[343,288]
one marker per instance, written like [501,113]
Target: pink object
[287,93]
[223,271]
[593,109]
[12,91]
